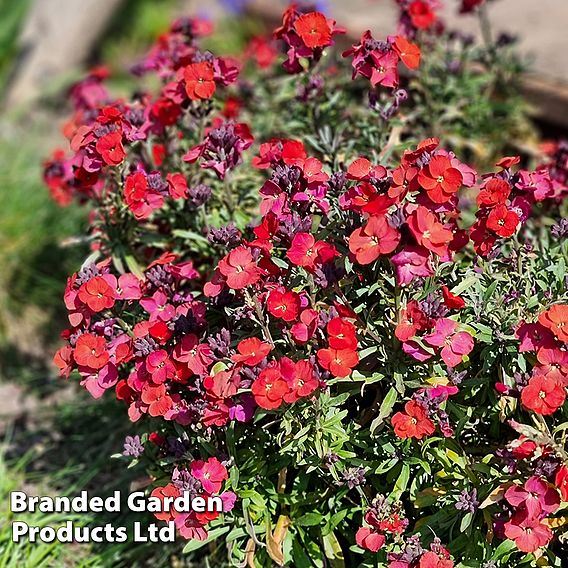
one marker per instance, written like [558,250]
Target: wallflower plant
[358,342]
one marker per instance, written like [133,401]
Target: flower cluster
[303,318]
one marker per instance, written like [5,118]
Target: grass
[33,263]
[62,451]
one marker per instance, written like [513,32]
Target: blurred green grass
[34,263]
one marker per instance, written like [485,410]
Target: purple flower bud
[133,447]
[199,195]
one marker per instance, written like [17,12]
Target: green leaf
[197,544]
[386,407]
[309,520]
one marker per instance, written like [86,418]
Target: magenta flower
[410,263]
[197,356]
[128,287]
[537,496]
[158,308]
[454,344]
[211,473]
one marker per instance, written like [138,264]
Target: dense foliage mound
[313,309]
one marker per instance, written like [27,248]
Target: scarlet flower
[300,378]
[157,399]
[502,221]
[408,52]
[528,532]
[314,30]
[413,423]
[440,179]
[223,384]
[90,351]
[432,560]
[561,481]
[97,294]
[543,394]
[284,305]
[199,80]
[169,490]
[495,192]
[421,15]
[451,300]
[372,240]
[556,319]
[412,319]
[428,231]
[269,388]
[110,148]
[211,473]
[251,351]
[341,334]
[63,360]
[305,251]
[369,539]
[239,268]
[339,362]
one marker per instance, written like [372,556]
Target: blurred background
[54,438]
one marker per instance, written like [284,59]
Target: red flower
[239,268]
[157,399]
[169,490]
[528,533]
[90,351]
[556,319]
[428,231]
[502,221]
[339,362]
[300,378]
[269,388]
[110,148]
[561,481]
[413,423]
[412,319]
[440,179]
[369,539]
[494,192]
[543,395]
[451,300]
[432,560]
[284,305]
[97,294]
[421,15]
[251,351]
[159,365]
[305,251]
[341,334]
[377,237]
[314,30]
[470,5]
[199,80]
[408,52]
